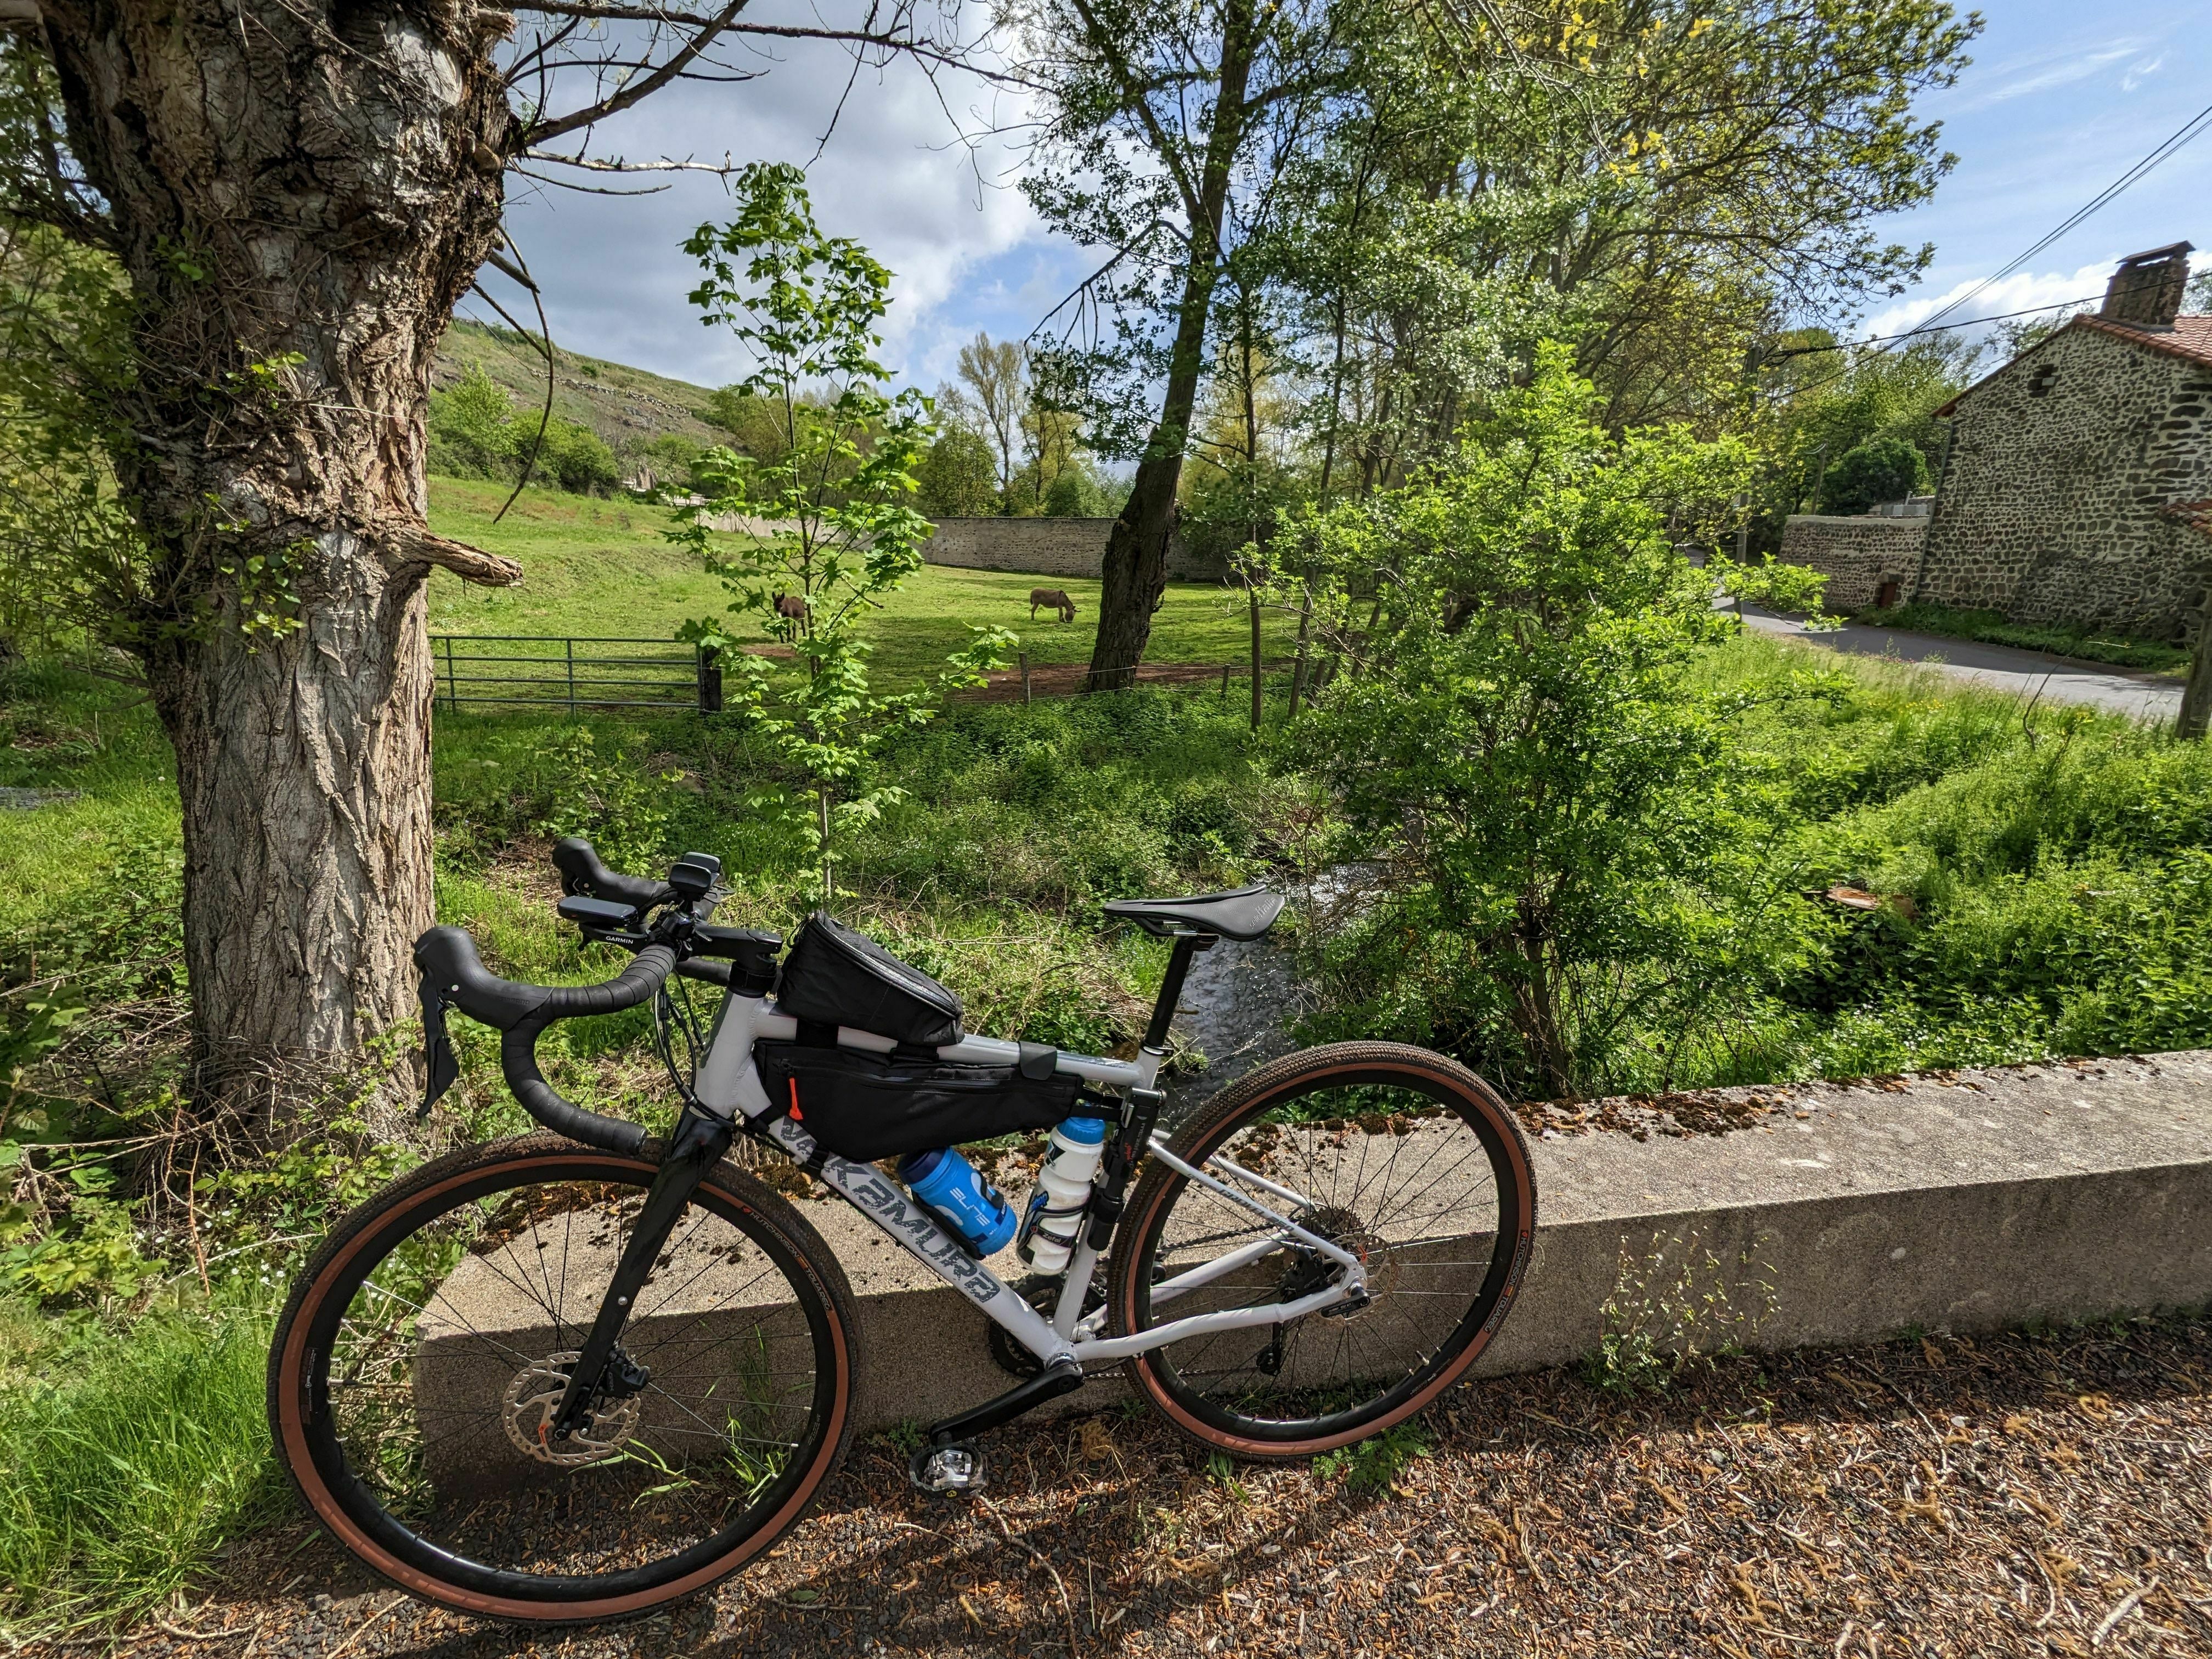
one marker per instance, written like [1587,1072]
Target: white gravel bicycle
[583,1374]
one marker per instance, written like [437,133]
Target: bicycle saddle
[1244,913]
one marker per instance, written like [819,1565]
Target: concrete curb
[1847,1213]
[1964,1201]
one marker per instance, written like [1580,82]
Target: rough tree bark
[1135,572]
[299,194]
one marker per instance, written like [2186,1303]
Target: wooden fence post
[1025,679]
[2196,696]
[710,680]
[1225,681]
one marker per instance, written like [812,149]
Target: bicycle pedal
[952,1471]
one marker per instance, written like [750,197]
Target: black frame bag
[864,1106]
[832,975]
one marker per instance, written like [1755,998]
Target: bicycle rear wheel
[1403,1157]
[417,1366]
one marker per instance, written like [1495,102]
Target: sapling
[823,508]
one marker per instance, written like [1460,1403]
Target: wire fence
[542,670]
[538,671]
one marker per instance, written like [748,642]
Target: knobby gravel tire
[1243,1105]
[419,1198]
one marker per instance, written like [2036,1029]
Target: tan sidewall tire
[1257,1088]
[287,1374]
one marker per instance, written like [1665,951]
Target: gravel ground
[2022,1494]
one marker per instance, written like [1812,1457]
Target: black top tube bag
[832,975]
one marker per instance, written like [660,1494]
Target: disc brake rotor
[533,1399]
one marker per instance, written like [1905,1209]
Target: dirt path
[2019,1495]
[1065,679]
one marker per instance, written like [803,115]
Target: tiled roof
[2191,337]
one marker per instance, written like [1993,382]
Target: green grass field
[602,567]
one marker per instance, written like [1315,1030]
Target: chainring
[534,1396]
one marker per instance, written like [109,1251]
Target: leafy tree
[68,543]
[1660,183]
[994,379]
[959,477]
[289,196]
[472,427]
[1159,118]
[1879,470]
[1520,742]
[572,457]
[1820,400]
[838,492]
[1075,494]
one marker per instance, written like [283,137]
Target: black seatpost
[1186,945]
[697,1145]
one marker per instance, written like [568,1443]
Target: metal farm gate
[538,671]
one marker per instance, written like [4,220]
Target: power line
[1875,339]
[2189,130]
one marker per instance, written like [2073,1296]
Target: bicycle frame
[729,1084]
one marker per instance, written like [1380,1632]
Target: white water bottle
[1055,1211]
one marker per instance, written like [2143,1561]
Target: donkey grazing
[1051,599]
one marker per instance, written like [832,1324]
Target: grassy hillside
[615,400]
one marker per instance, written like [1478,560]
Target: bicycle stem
[697,1145]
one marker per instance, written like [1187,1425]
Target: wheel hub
[532,1400]
[1314,1272]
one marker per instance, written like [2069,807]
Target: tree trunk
[1135,572]
[298,195]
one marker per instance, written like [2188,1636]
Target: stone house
[2076,486]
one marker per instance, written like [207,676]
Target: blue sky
[2060,100]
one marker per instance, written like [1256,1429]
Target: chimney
[2145,292]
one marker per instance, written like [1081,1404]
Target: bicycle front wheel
[1402,1158]
[417,1369]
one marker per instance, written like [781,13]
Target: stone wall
[1072,548]
[1858,554]
[2060,466]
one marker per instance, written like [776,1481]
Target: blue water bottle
[948,1183]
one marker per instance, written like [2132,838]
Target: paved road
[1998,667]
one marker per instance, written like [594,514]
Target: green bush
[1879,470]
[472,428]
[572,457]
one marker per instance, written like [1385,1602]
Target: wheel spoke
[442,1379]
[1440,1178]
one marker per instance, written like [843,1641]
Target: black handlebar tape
[518,1051]
[647,969]
[518,1058]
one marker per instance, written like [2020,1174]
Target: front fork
[696,1146]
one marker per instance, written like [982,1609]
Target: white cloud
[2019,292]
[2138,73]
[614,275]
[2046,73]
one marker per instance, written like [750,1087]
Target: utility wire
[1875,339]
[2192,128]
